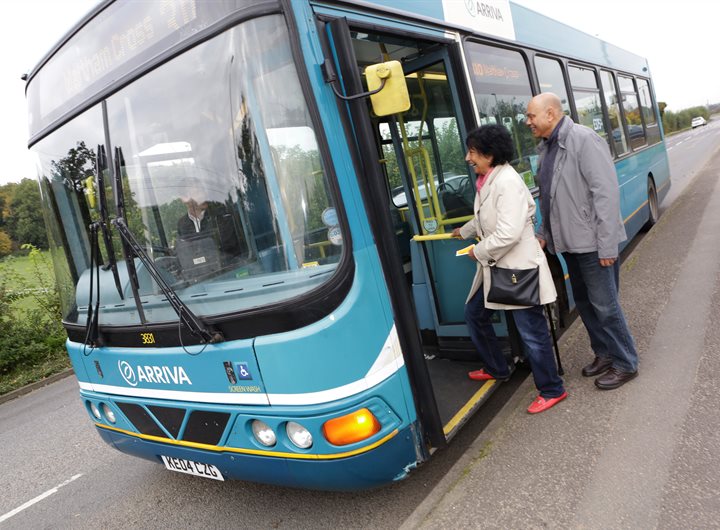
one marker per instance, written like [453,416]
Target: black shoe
[597,367]
[614,378]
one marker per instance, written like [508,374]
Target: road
[58,474]
[688,152]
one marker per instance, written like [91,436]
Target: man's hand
[456,233]
[607,262]
[542,242]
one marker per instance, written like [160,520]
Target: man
[580,207]
[210,219]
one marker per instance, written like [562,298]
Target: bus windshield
[216,161]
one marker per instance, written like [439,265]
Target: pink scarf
[482,178]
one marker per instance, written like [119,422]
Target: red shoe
[540,404]
[480,375]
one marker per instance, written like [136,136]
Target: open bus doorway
[431,191]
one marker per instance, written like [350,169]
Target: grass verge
[32,340]
[24,375]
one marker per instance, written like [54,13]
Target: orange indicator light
[351,428]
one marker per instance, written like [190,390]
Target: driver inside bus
[210,226]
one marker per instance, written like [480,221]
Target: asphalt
[646,455]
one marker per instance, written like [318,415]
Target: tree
[26,223]
[5,244]
[6,194]
[76,166]
[451,148]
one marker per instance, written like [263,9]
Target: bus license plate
[192,468]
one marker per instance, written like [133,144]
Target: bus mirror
[394,97]
[90,191]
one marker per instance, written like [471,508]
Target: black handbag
[514,286]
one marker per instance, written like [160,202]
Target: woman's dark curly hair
[492,140]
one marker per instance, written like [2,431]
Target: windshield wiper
[118,193]
[100,166]
[91,325]
[131,245]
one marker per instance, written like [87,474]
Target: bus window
[65,160]
[551,79]
[502,91]
[222,180]
[619,141]
[631,108]
[587,99]
[648,111]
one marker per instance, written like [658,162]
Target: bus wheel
[652,206]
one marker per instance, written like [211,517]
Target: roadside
[32,338]
[9,396]
[642,456]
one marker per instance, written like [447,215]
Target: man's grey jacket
[584,195]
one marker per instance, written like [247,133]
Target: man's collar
[555,132]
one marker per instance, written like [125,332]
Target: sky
[677,38]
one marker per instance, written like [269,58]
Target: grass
[16,273]
[22,268]
[24,376]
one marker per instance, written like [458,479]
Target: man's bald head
[544,112]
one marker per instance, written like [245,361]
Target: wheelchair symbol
[242,371]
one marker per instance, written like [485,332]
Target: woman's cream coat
[504,211]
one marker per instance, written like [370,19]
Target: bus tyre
[654,211]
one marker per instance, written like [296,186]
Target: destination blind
[111,45]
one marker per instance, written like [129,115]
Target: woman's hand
[456,233]
[471,254]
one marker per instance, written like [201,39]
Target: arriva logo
[153,374]
[482,9]
[127,373]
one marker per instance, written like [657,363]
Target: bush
[29,337]
[677,121]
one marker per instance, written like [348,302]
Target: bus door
[420,154]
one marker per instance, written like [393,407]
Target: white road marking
[38,498]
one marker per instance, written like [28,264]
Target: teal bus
[249,206]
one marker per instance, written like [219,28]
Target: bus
[249,206]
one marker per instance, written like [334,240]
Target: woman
[504,211]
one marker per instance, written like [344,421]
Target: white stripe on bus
[387,363]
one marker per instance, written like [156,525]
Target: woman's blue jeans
[595,289]
[533,329]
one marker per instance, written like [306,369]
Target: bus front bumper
[385,463]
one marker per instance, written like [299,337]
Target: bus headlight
[107,411]
[95,411]
[263,433]
[351,428]
[299,435]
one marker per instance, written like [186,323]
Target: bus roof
[523,26]
[515,23]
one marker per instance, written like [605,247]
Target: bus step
[462,349]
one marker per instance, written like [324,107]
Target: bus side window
[648,111]
[619,140]
[552,79]
[587,99]
[502,91]
[631,109]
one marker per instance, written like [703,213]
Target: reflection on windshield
[221,178]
